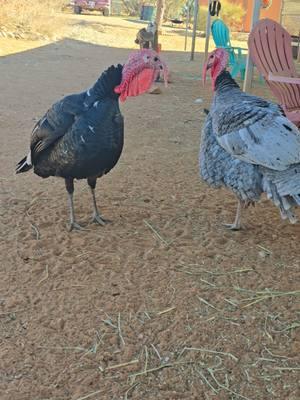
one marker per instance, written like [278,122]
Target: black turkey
[81,136]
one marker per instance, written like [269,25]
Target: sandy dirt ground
[163,303]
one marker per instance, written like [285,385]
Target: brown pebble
[155,90]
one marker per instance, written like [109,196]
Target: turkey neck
[225,83]
[104,87]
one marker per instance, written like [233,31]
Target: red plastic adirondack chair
[271,51]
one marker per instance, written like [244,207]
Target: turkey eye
[155,59]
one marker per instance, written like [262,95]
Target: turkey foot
[236,226]
[70,188]
[233,227]
[96,216]
[75,226]
[99,220]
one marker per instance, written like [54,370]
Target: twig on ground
[90,395]
[210,370]
[156,233]
[205,380]
[108,322]
[148,371]
[135,361]
[286,368]
[162,366]
[207,303]
[156,351]
[201,271]
[207,283]
[45,277]
[225,387]
[130,389]
[231,302]
[264,249]
[119,330]
[248,376]
[276,355]
[234,393]
[79,349]
[166,310]
[266,330]
[147,315]
[37,232]
[146,358]
[261,295]
[293,325]
[208,351]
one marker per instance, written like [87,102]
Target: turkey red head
[216,62]
[139,73]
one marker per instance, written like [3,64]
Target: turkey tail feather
[283,189]
[24,165]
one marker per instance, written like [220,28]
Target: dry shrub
[36,16]
[232,13]
[202,16]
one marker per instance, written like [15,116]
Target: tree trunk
[160,10]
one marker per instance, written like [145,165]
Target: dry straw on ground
[30,18]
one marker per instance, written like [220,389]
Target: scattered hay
[31,19]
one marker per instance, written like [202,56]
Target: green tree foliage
[231,13]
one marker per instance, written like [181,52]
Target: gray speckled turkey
[81,136]
[248,145]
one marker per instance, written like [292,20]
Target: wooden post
[196,6]
[160,10]
[298,56]
[155,40]
[249,63]
[207,33]
[187,25]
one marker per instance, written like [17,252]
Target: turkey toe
[75,226]
[99,220]
[233,227]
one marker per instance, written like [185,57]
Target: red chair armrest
[283,79]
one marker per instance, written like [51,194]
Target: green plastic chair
[221,36]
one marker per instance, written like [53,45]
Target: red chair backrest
[271,51]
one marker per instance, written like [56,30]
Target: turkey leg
[69,182]
[236,226]
[96,216]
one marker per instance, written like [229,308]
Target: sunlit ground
[108,31]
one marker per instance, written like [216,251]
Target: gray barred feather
[250,147]
[252,129]
[218,168]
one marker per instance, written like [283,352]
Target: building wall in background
[273,12]
[291,16]
[286,12]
